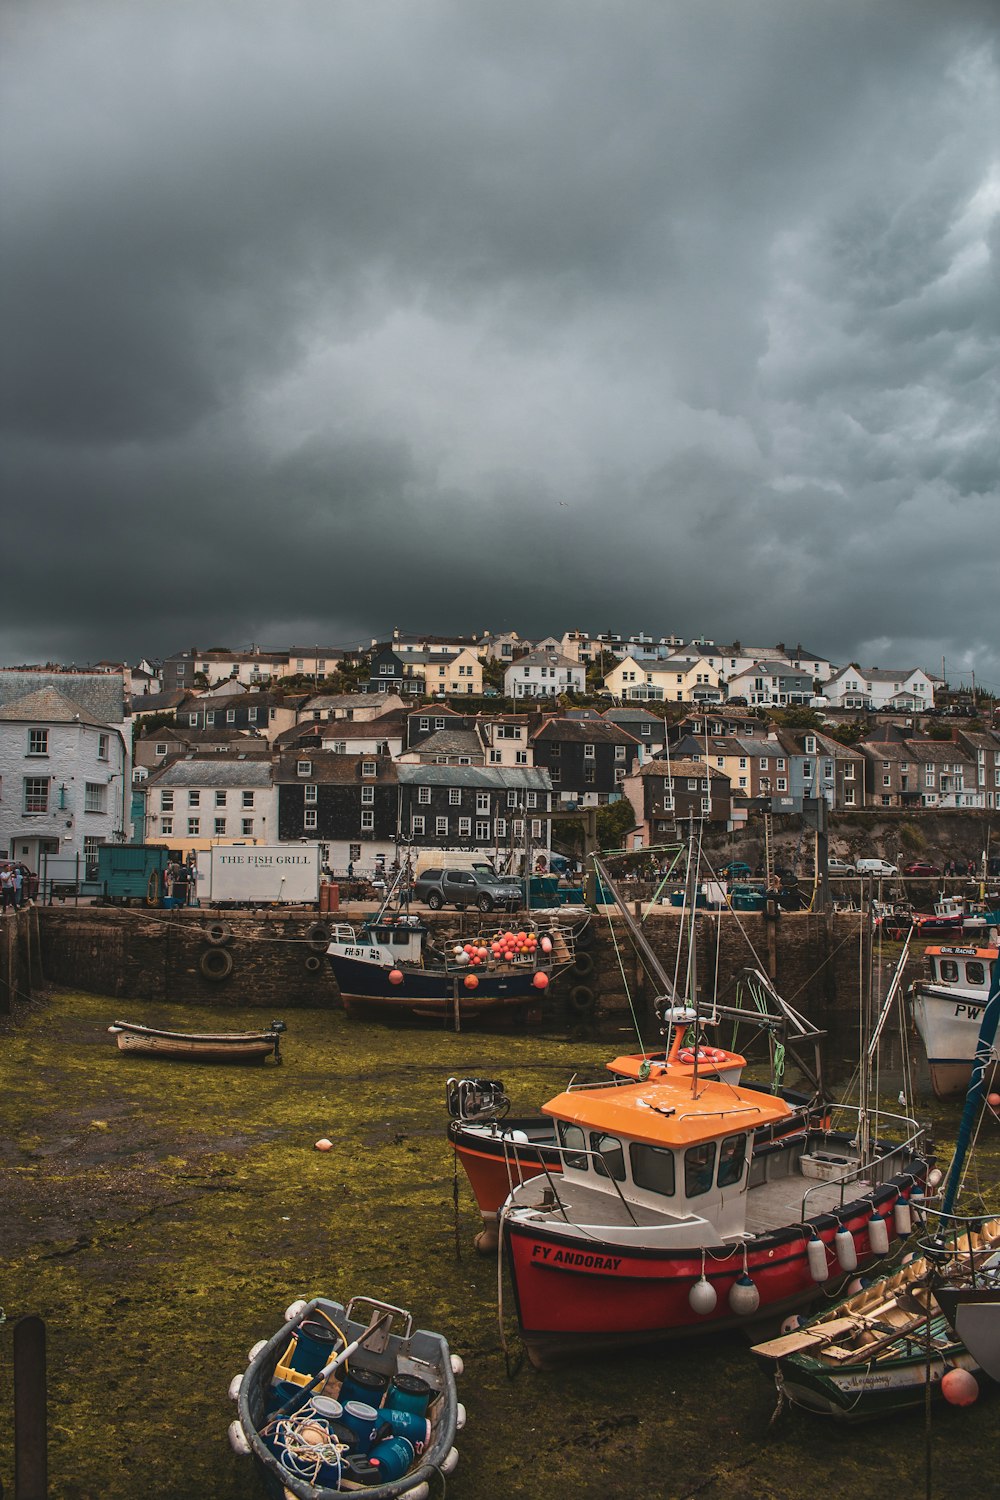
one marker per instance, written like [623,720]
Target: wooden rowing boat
[203,1046]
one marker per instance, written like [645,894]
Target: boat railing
[888,1158]
[960,1242]
[571,1156]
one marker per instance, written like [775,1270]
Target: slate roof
[214,770]
[158,703]
[449,742]
[587,731]
[100,695]
[546,658]
[494,778]
[660,766]
[330,768]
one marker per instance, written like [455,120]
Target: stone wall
[20,958]
[134,954]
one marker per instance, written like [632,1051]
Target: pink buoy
[993,1100]
[541,981]
[395,976]
[323,1144]
[960,1387]
[546,945]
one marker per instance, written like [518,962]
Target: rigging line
[628,993]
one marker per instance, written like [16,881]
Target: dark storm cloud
[320,318]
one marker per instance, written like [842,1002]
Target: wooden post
[30,1450]
[458,1005]
[6,966]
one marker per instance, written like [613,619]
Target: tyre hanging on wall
[313,963]
[318,937]
[215,964]
[218,933]
[581,1000]
[583,966]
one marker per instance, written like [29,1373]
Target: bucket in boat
[361,1419]
[408,1424]
[394,1456]
[314,1345]
[363,1385]
[409,1393]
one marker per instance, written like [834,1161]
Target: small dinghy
[334,1403]
[203,1046]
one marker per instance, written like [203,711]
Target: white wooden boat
[199,1046]
[947,1007]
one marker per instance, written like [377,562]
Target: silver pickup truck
[440,886]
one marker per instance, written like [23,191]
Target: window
[252,715]
[193,720]
[699,1169]
[482,832]
[93,796]
[441,828]
[423,794]
[230,716]
[732,1158]
[417,823]
[367,796]
[501,828]
[159,749]
[368,821]
[304,768]
[194,827]
[38,742]
[536,828]
[652,1168]
[610,1157]
[572,1139]
[309,818]
[464,828]
[369,768]
[166,825]
[194,799]
[247,800]
[555,750]
[782,783]
[36,794]
[219,827]
[849,771]
[340,747]
[311,793]
[975,973]
[517,828]
[103,742]
[496,756]
[588,775]
[619,752]
[589,752]
[246,827]
[849,796]
[440,723]
[454,797]
[949,971]
[482,802]
[167,800]
[555,775]
[220,799]
[210,716]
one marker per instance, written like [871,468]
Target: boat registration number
[360,952]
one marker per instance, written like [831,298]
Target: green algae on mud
[162,1215]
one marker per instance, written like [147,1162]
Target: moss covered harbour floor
[161,1216]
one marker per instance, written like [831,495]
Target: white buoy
[253,1352]
[238,1439]
[902,1218]
[703,1297]
[295,1309]
[460,1416]
[449,1463]
[878,1235]
[917,1202]
[457,1365]
[234,1386]
[744,1297]
[845,1248]
[819,1269]
[935,1178]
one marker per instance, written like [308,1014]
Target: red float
[395,976]
[471,982]
[960,1387]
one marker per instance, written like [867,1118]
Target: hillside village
[468,743]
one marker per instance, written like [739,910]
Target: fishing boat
[950,915]
[200,1046]
[348,1398]
[947,1005]
[872,1354]
[394,963]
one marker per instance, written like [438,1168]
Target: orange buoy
[395,976]
[960,1387]
[541,981]
[471,982]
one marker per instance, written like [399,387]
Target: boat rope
[454,1202]
[628,992]
[512,1368]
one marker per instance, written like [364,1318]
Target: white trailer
[259,874]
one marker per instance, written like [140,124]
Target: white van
[875,867]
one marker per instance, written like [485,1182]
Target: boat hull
[974,1314]
[579,1295]
[948,1025]
[864,1394]
[221,1047]
[425,992]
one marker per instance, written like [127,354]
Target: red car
[920,867]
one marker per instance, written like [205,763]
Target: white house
[908,690]
[65,769]
[544,674]
[198,801]
[771,684]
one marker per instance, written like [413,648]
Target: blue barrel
[363,1385]
[406,1424]
[361,1419]
[394,1456]
[409,1393]
[314,1345]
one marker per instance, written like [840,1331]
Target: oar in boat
[294,1402]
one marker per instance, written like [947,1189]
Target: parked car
[920,867]
[441,886]
[737,869]
[840,867]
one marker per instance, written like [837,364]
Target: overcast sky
[324,317]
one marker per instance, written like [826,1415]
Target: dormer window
[304,768]
[369,768]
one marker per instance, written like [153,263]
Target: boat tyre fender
[583,965]
[581,1000]
[318,937]
[314,963]
[215,964]
[584,936]
[153,888]
[218,933]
